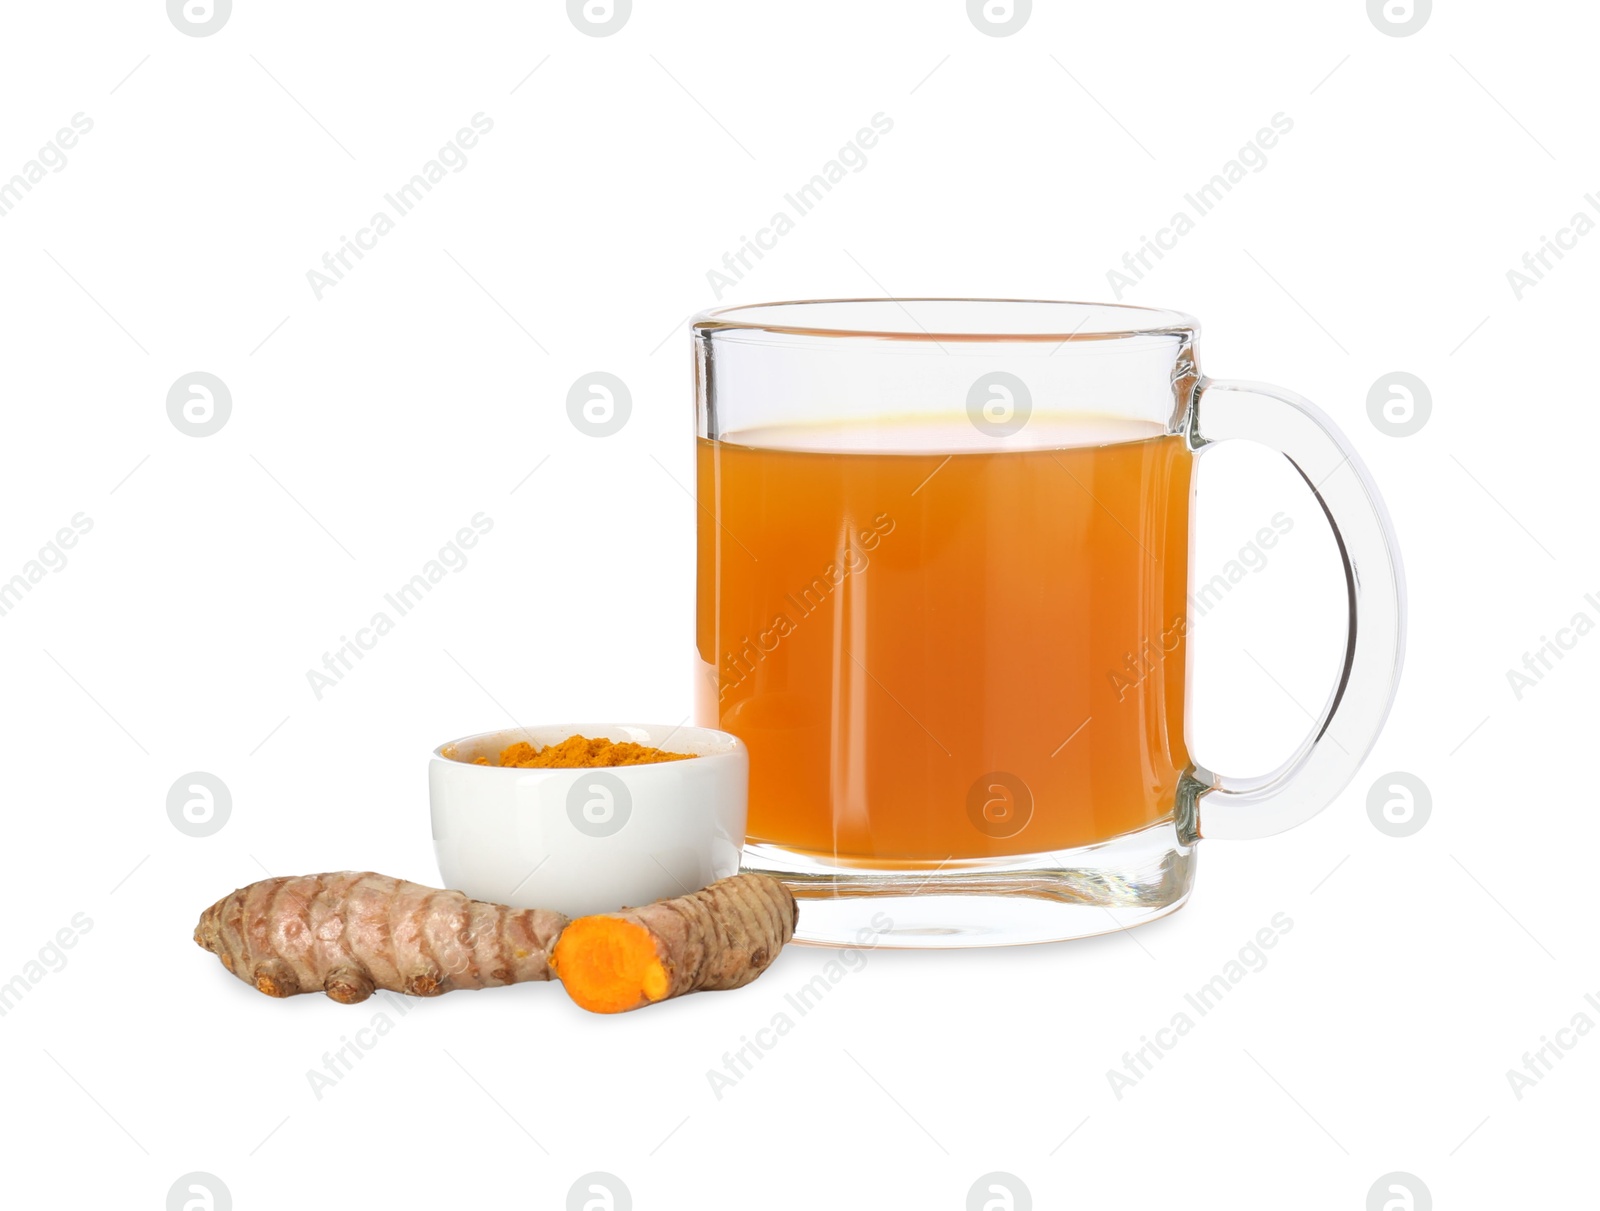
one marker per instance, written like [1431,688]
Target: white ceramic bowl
[589,840]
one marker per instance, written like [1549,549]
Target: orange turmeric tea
[947,650]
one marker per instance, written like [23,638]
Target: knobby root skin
[352,933]
[721,937]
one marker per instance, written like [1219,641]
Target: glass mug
[942,596]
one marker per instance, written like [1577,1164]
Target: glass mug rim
[977,320]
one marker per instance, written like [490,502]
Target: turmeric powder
[581,752]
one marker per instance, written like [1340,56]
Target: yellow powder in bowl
[577,752]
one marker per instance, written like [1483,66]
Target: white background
[369,426]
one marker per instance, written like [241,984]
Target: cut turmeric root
[721,937]
[352,933]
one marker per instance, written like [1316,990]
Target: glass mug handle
[1343,735]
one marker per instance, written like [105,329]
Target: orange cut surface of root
[609,965]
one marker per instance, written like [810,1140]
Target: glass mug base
[1012,901]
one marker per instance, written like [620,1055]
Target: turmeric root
[350,933]
[721,937]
